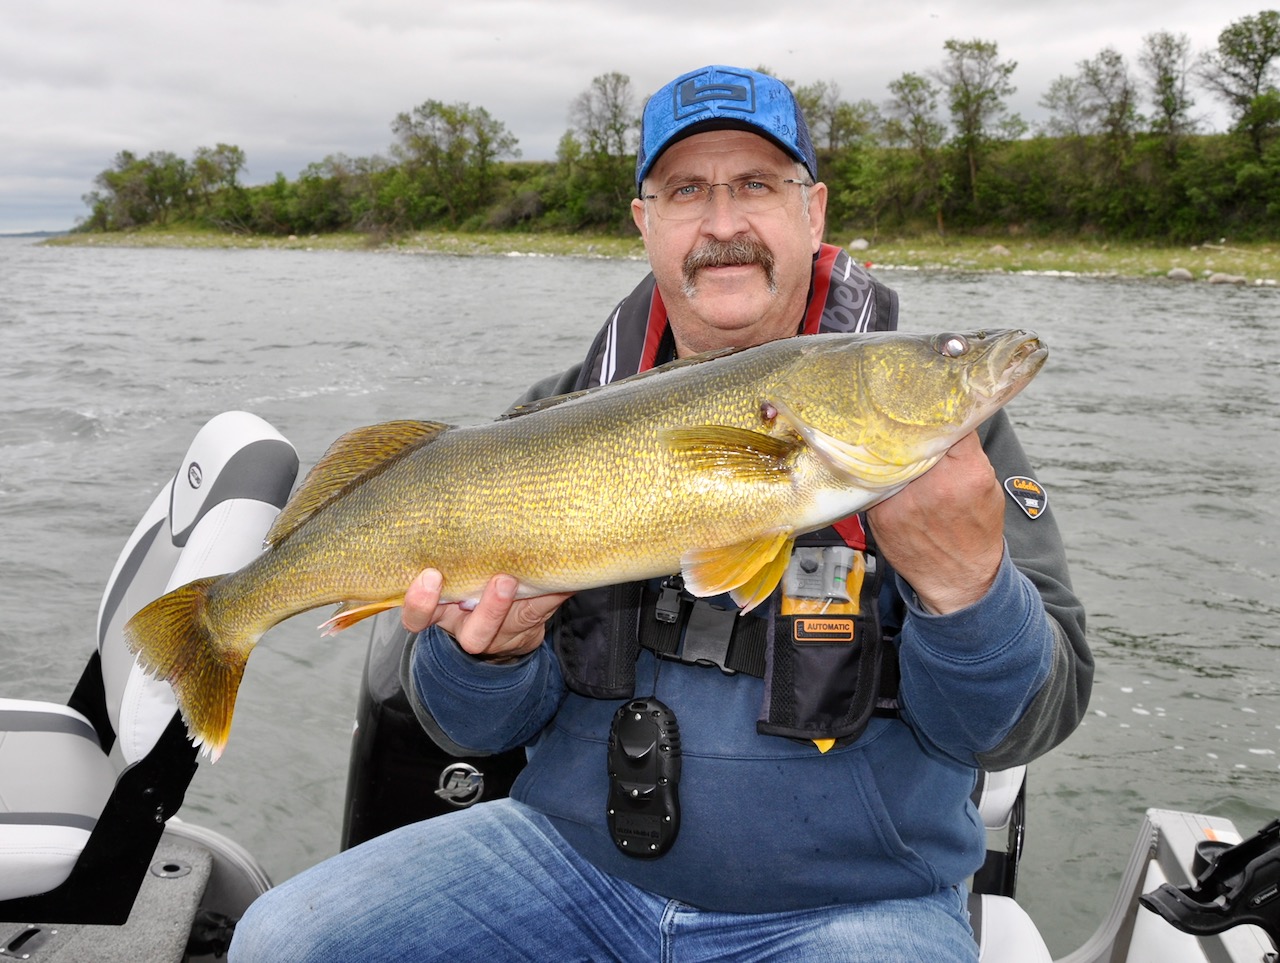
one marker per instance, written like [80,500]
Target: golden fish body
[710,466]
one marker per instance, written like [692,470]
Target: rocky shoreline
[1256,264]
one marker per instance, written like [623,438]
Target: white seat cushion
[54,781]
[1005,932]
[997,793]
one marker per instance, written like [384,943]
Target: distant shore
[1219,262]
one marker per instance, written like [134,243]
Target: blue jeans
[496,883]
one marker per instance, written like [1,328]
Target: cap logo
[693,97]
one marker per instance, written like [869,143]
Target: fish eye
[953,345]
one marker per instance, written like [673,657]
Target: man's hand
[944,532]
[499,626]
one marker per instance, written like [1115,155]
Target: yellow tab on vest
[824,744]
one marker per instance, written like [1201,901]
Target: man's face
[712,303]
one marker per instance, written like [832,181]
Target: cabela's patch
[1028,494]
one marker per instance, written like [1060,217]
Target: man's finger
[485,622]
[421,600]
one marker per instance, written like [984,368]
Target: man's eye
[687,191]
[755,187]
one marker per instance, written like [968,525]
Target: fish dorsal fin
[542,404]
[350,461]
[749,569]
[744,454]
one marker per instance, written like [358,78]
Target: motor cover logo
[1028,494]
[461,784]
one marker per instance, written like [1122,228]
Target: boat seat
[1004,931]
[85,788]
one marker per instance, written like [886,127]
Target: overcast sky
[292,81]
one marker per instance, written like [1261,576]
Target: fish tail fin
[175,641]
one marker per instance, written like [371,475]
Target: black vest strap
[712,635]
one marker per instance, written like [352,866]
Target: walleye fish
[709,466]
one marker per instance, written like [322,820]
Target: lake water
[1155,426]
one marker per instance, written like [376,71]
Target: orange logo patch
[824,630]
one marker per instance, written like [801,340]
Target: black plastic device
[644,778]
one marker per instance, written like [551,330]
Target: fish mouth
[1013,359]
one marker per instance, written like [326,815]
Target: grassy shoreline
[1222,262]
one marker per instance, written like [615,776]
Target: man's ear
[817,214]
[637,216]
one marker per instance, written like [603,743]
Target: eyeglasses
[753,193]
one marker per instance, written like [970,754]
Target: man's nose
[722,216]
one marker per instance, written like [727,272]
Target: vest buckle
[707,636]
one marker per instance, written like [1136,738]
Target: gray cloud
[291,82]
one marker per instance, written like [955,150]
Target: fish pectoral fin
[349,614]
[749,570]
[744,454]
[353,458]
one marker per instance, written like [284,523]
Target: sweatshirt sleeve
[472,707]
[1008,678]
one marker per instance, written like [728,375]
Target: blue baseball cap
[723,98]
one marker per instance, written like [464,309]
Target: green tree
[1109,96]
[1166,61]
[1241,71]
[135,191]
[451,150]
[214,169]
[605,123]
[168,185]
[976,84]
[836,124]
[912,122]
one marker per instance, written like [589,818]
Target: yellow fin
[352,459]
[348,614]
[751,593]
[746,455]
[174,641]
[824,744]
[714,571]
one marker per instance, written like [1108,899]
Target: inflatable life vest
[818,641]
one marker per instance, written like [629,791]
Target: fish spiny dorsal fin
[542,404]
[350,461]
[746,455]
[515,411]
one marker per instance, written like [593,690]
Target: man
[855,848]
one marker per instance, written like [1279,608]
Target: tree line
[1122,154]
